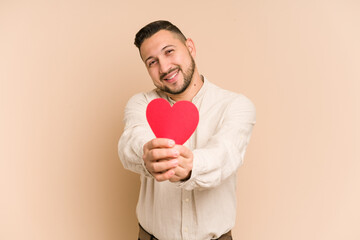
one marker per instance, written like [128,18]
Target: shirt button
[185,229]
[187,200]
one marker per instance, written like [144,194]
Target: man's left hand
[183,170]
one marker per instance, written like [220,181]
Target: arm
[136,134]
[224,152]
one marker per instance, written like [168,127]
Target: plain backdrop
[67,69]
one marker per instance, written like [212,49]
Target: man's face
[169,61]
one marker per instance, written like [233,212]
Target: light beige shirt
[203,207]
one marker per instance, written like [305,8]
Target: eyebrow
[161,51]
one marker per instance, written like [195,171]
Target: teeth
[172,76]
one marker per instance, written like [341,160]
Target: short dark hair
[155,27]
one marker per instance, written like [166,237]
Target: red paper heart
[177,122]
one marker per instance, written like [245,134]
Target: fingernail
[176,153]
[171,143]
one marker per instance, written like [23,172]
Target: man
[187,191]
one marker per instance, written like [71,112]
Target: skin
[170,64]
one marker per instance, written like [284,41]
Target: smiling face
[169,61]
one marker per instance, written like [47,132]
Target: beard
[188,75]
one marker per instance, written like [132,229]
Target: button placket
[186,213]
[187,208]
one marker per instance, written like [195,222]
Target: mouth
[171,77]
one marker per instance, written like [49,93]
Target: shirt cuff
[190,184]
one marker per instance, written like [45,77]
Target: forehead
[154,44]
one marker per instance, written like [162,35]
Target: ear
[191,46]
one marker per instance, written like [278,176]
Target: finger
[180,172]
[160,143]
[160,177]
[163,166]
[174,179]
[184,151]
[161,154]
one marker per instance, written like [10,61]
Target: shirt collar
[202,90]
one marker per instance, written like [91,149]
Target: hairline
[175,34]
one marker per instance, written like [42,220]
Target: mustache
[162,76]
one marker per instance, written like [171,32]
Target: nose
[164,65]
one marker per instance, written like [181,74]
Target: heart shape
[177,122]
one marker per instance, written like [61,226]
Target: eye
[152,62]
[169,51]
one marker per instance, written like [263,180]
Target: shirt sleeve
[136,134]
[225,150]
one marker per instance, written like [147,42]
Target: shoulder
[229,98]
[142,99]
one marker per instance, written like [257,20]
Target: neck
[191,91]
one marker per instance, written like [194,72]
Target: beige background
[67,69]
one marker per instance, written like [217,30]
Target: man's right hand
[160,158]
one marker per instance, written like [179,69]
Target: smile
[171,77]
